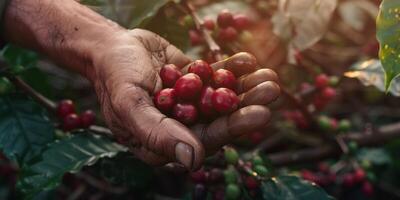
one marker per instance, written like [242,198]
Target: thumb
[156,132]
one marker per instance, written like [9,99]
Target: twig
[384,134]
[212,45]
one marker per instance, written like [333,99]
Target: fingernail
[184,154]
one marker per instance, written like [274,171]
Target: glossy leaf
[67,155]
[128,13]
[19,59]
[24,127]
[371,73]
[377,156]
[292,188]
[302,23]
[212,10]
[388,25]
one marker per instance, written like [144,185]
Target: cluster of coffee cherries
[66,112]
[325,177]
[325,91]
[225,181]
[201,92]
[333,125]
[226,28]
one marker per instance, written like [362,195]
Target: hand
[126,76]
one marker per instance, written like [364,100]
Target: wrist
[68,33]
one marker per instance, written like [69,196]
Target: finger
[156,132]
[251,80]
[225,129]
[262,94]
[239,64]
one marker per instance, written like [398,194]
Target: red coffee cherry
[224,78]
[368,189]
[87,118]
[202,69]
[225,100]
[228,34]
[188,87]
[321,81]
[169,74]
[71,122]
[241,21]
[328,93]
[165,100]
[348,180]
[185,113]
[225,18]
[359,175]
[251,183]
[64,108]
[195,37]
[209,24]
[198,176]
[206,106]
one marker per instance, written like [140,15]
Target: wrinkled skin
[123,66]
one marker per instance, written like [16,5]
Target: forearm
[64,30]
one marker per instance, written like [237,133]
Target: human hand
[125,76]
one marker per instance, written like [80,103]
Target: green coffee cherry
[232,192]
[257,160]
[344,125]
[353,146]
[324,123]
[5,86]
[230,175]
[246,37]
[231,156]
[333,81]
[188,21]
[261,170]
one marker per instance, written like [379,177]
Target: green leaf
[291,188]
[126,170]
[388,25]
[371,73]
[169,29]
[128,13]
[67,155]
[377,156]
[18,58]
[24,127]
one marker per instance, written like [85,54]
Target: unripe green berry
[324,123]
[261,170]
[246,37]
[257,160]
[230,175]
[232,192]
[344,125]
[188,21]
[333,81]
[231,156]
[5,86]
[353,146]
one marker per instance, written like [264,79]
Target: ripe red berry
[202,69]
[225,18]
[225,100]
[185,113]
[64,108]
[165,100]
[256,137]
[188,87]
[71,122]
[87,118]
[328,93]
[323,167]
[333,124]
[251,183]
[209,24]
[224,78]
[321,81]
[359,175]
[309,176]
[205,104]
[228,34]
[241,21]
[195,37]
[198,176]
[348,180]
[169,74]
[368,189]
[216,176]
